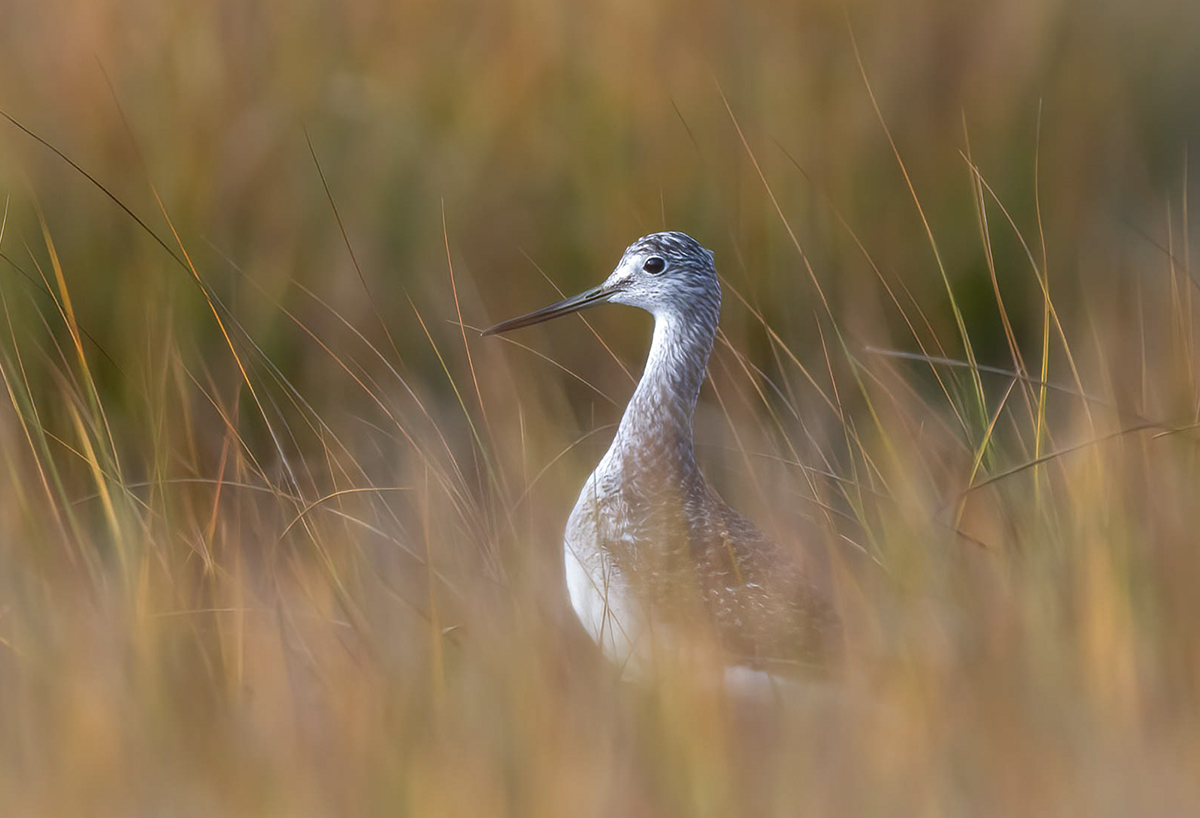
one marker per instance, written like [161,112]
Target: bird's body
[652,554]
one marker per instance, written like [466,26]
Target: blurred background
[280,534]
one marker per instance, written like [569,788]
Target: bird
[652,554]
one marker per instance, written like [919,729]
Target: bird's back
[767,600]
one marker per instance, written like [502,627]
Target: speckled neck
[656,430]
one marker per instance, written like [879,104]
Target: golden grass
[279,534]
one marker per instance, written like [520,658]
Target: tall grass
[280,534]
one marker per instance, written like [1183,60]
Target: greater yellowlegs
[651,551]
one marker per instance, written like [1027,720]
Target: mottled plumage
[652,553]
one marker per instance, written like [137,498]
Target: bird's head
[667,274]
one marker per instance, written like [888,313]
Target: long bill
[588,298]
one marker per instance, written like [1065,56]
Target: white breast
[600,594]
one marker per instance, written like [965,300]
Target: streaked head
[663,273]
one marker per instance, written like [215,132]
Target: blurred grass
[271,544]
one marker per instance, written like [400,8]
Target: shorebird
[652,553]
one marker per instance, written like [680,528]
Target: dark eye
[654,265]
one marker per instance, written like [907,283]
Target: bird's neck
[656,430]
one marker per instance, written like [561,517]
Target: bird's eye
[654,265]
